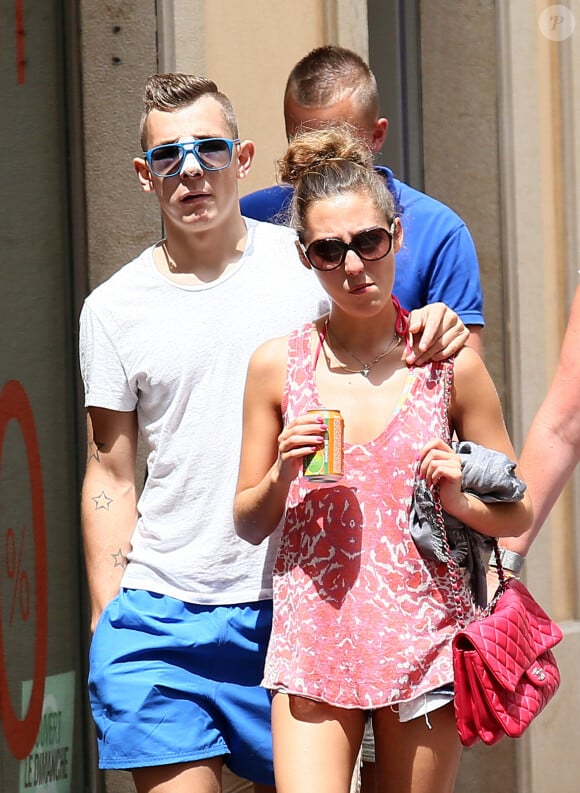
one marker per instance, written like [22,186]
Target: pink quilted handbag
[505,672]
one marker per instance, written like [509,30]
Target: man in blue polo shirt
[438,261]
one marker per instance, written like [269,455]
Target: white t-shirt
[179,355]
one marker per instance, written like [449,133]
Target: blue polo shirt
[437,261]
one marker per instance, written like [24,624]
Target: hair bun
[314,151]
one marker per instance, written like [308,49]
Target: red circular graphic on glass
[21,733]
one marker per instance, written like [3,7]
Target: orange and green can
[326,463]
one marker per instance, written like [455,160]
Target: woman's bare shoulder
[469,367]
[472,381]
[270,353]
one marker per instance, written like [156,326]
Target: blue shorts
[174,682]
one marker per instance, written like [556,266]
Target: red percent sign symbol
[14,570]
[21,733]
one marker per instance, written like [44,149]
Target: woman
[362,624]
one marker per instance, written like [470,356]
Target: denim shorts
[174,682]
[420,706]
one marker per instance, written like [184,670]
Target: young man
[438,261]
[181,608]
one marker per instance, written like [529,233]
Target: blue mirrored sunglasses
[213,154]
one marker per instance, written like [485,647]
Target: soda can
[326,464]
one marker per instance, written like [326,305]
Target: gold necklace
[366,367]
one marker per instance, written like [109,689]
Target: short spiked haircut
[169,92]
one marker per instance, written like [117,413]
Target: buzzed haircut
[173,91]
[328,74]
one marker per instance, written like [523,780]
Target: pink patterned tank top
[361,620]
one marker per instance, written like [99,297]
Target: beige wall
[118,52]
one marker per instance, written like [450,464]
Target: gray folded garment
[486,474]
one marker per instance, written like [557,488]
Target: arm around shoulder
[437,333]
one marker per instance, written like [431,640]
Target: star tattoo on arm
[102,501]
[120,559]
[93,449]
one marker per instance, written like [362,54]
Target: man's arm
[108,502]
[552,447]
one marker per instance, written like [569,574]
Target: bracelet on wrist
[511,561]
